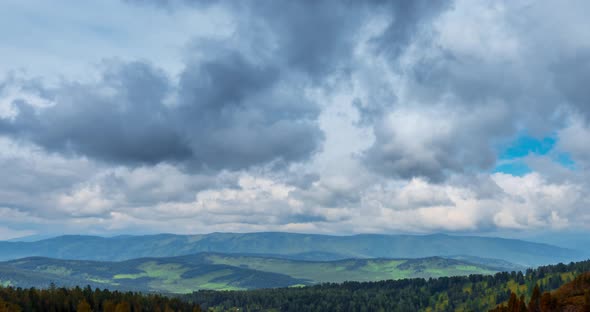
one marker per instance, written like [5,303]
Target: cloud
[94,120]
[569,74]
[332,116]
[238,107]
[407,19]
[430,143]
[466,84]
[573,140]
[86,201]
[36,176]
[164,199]
[230,115]
[239,114]
[7,233]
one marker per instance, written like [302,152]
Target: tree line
[59,299]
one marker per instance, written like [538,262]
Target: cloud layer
[333,116]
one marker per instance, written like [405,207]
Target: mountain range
[169,263]
[292,246]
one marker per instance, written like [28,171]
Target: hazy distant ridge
[295,246]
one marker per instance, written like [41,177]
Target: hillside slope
[294,246]
[361,270]
[573,296]
[185,274]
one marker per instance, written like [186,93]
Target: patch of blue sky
[565,160]
[511,159]
[525,145]
[515,168]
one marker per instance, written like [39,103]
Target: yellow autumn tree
[83,306]
[123,306]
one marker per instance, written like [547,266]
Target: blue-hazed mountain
[290,245]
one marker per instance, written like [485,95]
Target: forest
[572,297]
[467,293]
[546,288]
[59,299]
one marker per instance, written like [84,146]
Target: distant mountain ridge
[290,245]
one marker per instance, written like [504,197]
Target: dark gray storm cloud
[315,37]
[571,76]
[237,113]
[230,115]
[407,18]
[121,119]
[234,109]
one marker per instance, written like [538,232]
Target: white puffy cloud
[574,139]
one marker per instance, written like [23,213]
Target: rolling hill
[573,296]
[214,271]
[291,246]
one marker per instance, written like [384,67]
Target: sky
[335,117]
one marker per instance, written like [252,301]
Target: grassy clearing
[166,272]
[167,277]
[187,285]
[53,269]
[102,281]
[6,283]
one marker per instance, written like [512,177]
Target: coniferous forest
[469,293]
